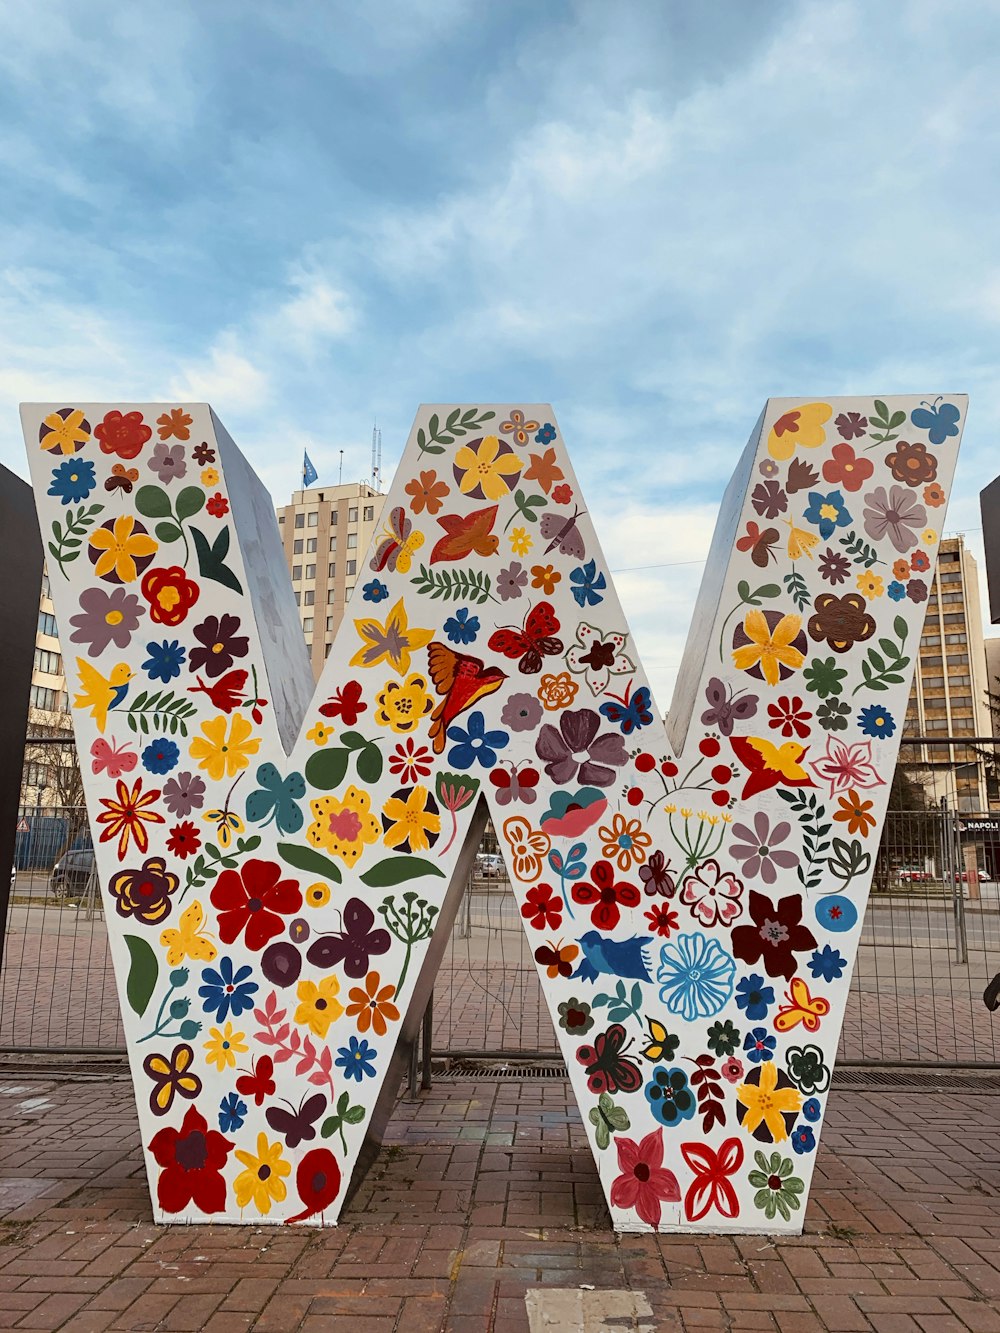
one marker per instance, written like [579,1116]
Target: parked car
[71,874]
[963,876]
[489,866]
[911,875]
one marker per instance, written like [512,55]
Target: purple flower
[167,462]
[896,515]
[521,712]
[106,618]
[577,735]
[757,848]
[512,581]
[834,567]
[769,499]
[916,590]
[183,793]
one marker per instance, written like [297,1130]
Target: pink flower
[732,1069]
[644,1183]
[713,894]
[845,766]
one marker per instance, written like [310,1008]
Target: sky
[652,215]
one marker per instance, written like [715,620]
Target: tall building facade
[949,689]
[50,776]
[326,533]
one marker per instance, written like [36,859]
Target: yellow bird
[100,694]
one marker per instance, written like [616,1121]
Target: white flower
[598,657]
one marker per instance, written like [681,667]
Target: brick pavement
[484,1191]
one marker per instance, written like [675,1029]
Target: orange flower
[544,469]
[546,578]
[624,842]
[124,817]
[557,691]
[934,495]
[528,847]
[427,493]
[854,813]
[901,569]
[372,1006]
[176,423]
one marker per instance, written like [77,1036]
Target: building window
[310,571]
[950,598]
[298,599]
[300,520]
[329,645]
[307,624]
[47,624]
[297,546]
[309,597]
[50,663]
[329,624]
[313,519]
[934,682]
[281,518]
[352,569]
[333,518]
[369,513]
[333,542]
[352,515]
[930,640]
[352,541]
[331,595]
[296,573]
[954,618]
[332,570]
[310,546]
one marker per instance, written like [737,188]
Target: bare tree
[51,776]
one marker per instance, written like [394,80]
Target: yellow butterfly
[801,1007]
[397,544]
[188,940]
[227,824]
[661,1044]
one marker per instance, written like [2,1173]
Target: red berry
[668,768]
[634,796]
[720,797]
[721,774]
[644,762]
[710,747]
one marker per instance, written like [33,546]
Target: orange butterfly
[801,1007]
[122,479]
[557,958]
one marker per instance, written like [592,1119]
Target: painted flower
[896,590]
[392,642]
[121,549]
[731,1069]
[427,492]
[588,585]
[160,755]
[123,434]
[789,717]
[834,567]
[318,1006]
[869,585]
[164,661]
[371,1006]
[262,1181]
[521,541]
[604,896]
[192,1160]
[184,840]
[474,744]
[754,997]
[598,656]
[557,691]
[201,453]
[877,722]
[758,848]
[577,735]
[827,512]
[841,621]
[624,841]
[252,901]
[807,1069]
[521,712]
[713,894]
[544,469]
[72,481]
[723,1038]
[769,499]
[232,1112]
[895,514]
[827,964]
[845,766]
[767,1103]
[776,935]
[144,894]
[759,1045]
[167,461]
[803,1139]
[911,463]
[823,677]
[662,920]
[106,618]
[575,1017]
[227,990]
[224,749]
[845,468]
[487,468]
[175,424]
[545,577]
[779,1190]
[528,848]
[462,627]
[170,594]
[65,431]
[518,427]
[855,813]
[402,706]
[219,645]
[801,427]
[374,591]
[344,827]
[184,793]
[171,1077]
[696,976]
[916,590]
[126,816]
[644,1183]
[934,495]
[217,505]
[410,761]
[670,1097]
[851,425]
[223,1046]
[210,477]
[769,645]
[562,494]
[711,1186]
[512,581]
[412,822]
[542,908]
[319,733]
[357,1060]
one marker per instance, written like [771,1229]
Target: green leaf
[353,740]
[329,1126]
[370,764]
[312,862]
[896,419]
[433,449]
[354,1115]
[397,870]
[743,590]
[882,410]
[167,533]
[327,768]
[899,625]
[152,502]
[211,559]
[142,974]
[767,590]
[190,500]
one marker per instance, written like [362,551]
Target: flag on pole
[309,473]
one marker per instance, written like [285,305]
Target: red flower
[776,935]
[217,505]
[225,693]
[122,435]
[317,1180]
[788,716]
[254,899]
[562,495]
[184,840]
[543,907]
[662,919]
[846,469]
[170,594]
[193,1159]
[605,896]
[644,1182]
[711,1187]
[345,704]
[410,761]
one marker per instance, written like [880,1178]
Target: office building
[51,774]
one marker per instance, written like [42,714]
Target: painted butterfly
[354,945]
[607,1064]
[514,784]
[759,544]
[629,714]
[112,759]
[801,1007]
[188,940]
[397,544]
[122,479]
[557,959]
[661,1045]
[531,643]
[939,422]
[726,708]
[259,1083]
[564,533]
[297,1126]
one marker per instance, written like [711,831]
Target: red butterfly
[515,783]
[759,543]
[608,1067]
[260,1082]
[531,643]
[345,704]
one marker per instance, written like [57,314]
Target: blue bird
[617,958]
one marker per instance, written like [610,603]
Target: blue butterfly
[940,422]
[628,714]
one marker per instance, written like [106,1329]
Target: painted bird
[465,534]
[100,694]
[616,958]
[463,681]
[769,764]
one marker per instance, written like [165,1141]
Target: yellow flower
[411,820]
[484,468]
[528,847]
[318,894]
[67,435]
[625,842]
[344,827]
[319,734]
[801,426]
[221,755]
[119,547]
[264,1177]
[222,1047]
[670,809]
[210,477]
[402,707]
[767,1104]
[929,537]
[520,541]
[319,1006]
[392,642]
[770,649]
[870,585]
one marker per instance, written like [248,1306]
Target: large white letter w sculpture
[277,867]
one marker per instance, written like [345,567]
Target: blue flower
[160,756]
[356,1059]
[696,976]
[226,992]
[827,964]
[759,1045]
[475,745]
[590,585]
[164,661]
[827,512]
[232,1113]
[376,591]
[753,997]
[461,627]
[811,1109]
[803,1139]
[670,1099]
[836,913]
[896,590]
[73,481]
[546,435]
[876,721]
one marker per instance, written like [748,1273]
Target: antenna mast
[376,458]
[340,479]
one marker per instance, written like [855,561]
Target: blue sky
[653,215]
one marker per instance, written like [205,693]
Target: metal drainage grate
[487,1069]
[930,1079]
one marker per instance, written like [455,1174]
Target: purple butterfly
[354,945]
[295,1126]
[726,708]
[564,533]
